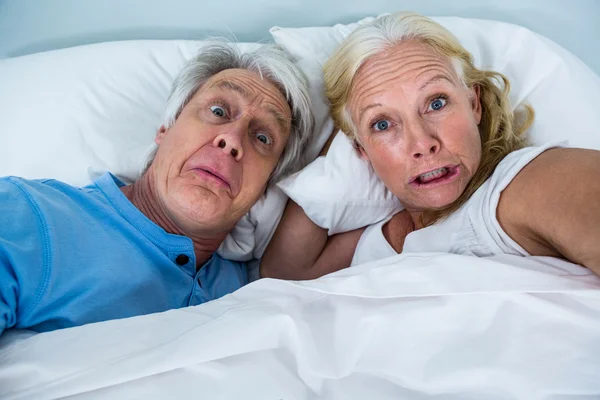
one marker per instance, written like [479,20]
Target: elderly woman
[441,136]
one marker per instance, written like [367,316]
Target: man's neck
[143,196]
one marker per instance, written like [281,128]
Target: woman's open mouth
[436,177]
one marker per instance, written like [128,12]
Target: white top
[471,230]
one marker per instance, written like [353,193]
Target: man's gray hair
[271,63]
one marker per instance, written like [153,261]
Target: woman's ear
[160,134]
[361,151]
[476,102]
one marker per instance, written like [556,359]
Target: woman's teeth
[432,175]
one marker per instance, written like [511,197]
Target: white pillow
[317,190]
[557,84]
[72,114]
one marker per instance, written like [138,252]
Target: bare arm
[552,207]
[301,250]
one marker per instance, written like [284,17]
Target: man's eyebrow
[282,121]
[228,85]
[437,78]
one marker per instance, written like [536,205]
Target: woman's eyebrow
[367,108]
[437,78]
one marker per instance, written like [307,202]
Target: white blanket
[414,326]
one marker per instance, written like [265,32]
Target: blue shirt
[70,256]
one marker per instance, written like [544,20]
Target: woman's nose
[423,150]
[425,141]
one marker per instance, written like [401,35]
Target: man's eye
[381,125]
[264,138]
[437,104]
[218,111]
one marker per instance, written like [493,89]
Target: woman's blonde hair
[500,131]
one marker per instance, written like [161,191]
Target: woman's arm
[301,250]
[552,207]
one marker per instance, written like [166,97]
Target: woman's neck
[397,228]
[416,219]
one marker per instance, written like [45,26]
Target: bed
[409,327]
[414,326]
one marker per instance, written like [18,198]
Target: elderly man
[69,256]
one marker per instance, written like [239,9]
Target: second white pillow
[340,192]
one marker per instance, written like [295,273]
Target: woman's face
[417,124]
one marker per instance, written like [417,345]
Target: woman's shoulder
[514,162]
[549,207]
[481,233]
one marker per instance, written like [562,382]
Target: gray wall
[28,26]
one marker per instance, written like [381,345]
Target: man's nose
[230,141]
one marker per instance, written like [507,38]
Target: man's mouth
[214,175]
[439,175]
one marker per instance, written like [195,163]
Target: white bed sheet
[427,326]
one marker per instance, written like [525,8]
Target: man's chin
[205,220]
[203,207]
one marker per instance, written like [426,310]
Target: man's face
[213,164]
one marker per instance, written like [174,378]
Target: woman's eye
[437,104]
[263,138]
[381,125]
[218,111]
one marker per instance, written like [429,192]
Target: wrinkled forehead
[250,86]
[412,63]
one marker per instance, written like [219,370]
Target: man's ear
[476,102]
[160,134]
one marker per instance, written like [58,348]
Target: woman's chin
[436,202]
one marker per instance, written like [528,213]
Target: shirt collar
[111,186]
